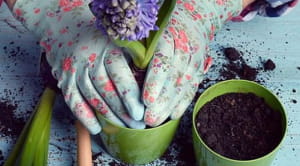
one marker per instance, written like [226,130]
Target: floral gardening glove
[181,57]
[76,50]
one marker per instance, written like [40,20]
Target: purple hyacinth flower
[125,19]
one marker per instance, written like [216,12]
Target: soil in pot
[239,126]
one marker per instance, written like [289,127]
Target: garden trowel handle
[84,150]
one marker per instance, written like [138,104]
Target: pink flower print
[46,46]
[108,61]
[220,2]
[109,86]
[156,60]
[67,9]
[196,65]
[294,3]
[173,21]
[204,35]
[207,64]
[67,5]
[101,78]
[188,77]
[70,43]
[173,31]
[67,97]
[94,102]
[183,36]
[92,57]
[84,107]
[149,118]
[63,31]
[212,32]
[50,14]
[63,3]
[115,51]
[49,32]
[229,16]
[18,12]
[179,2]
[180,39]
[178,81]
[84,47]
[37,10]
[188,6]
[197,16]
[67,64]
[151,99]
[77,3]
[103,111]
[73,70]
[145,94]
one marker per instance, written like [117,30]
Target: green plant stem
[163,18]
[142,51]
[41,154]
[40,120]
[136,50]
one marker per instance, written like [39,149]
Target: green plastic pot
[205,156]
[137,146]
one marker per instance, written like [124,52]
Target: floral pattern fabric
[93,73]
[76,50]
[181,58]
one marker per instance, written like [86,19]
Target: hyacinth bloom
[133,24]
[125,19]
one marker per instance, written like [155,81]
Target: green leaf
[41,154]
[163,19]
[136,50]
[41,119]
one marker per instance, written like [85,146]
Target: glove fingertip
[151,119]
[138,125]
[94,129]
[135,109]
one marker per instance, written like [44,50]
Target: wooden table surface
[260,39]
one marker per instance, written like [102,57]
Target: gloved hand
[181,57]
[75,50]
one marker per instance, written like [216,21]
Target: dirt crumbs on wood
[269,65]
[239,126]
[10,125]
[238,68]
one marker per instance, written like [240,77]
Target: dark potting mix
[239,126]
